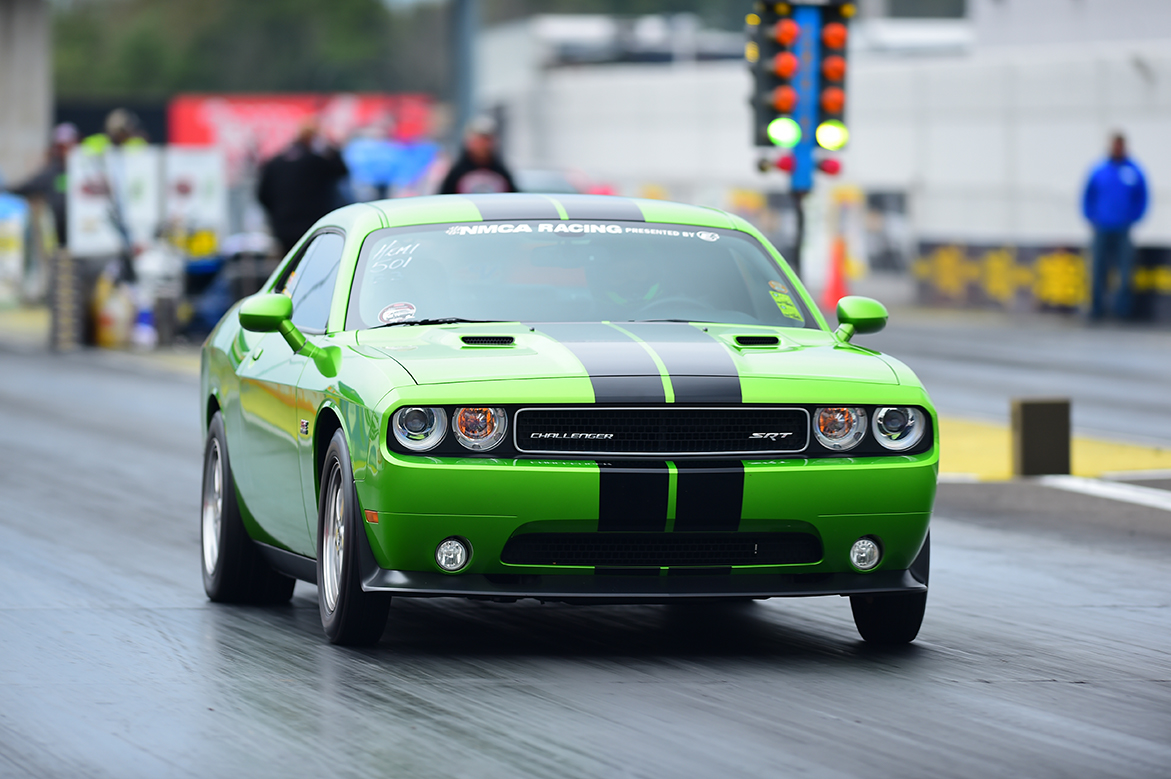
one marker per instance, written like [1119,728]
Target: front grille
[642,549]
[661,431]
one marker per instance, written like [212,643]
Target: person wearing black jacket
[49,183]
[478,170]
[300,185]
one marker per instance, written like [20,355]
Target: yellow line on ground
[984,450]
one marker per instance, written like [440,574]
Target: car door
[272,418]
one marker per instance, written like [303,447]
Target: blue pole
[808,84]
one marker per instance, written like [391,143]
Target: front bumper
[416,503]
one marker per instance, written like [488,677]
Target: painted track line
[1127,493]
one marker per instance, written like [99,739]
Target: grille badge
[589,436]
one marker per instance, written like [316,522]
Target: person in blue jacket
[1115,198]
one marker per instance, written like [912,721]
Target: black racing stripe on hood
[618,209]
[495,208]
[709,495]
[618,366]
[700,367]
[633,495]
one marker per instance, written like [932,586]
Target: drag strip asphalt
[1044,653]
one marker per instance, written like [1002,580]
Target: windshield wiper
[684,321]
[447,320]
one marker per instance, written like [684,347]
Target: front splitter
[611,588]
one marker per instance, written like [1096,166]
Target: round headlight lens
[479,428]
[840,428]
[419,428]
[898,428]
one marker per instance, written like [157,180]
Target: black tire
[896,618]
[233,569]
[349,615]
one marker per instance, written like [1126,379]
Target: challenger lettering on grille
[589,436]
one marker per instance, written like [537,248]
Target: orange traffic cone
[835,284]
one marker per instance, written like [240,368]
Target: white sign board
[196,190]
[112,193]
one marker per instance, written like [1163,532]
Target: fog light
[453,554]
[865,554]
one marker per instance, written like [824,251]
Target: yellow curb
[985,450]
[26,323]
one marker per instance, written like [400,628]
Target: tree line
[150,49]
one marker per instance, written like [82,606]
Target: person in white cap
[478,170]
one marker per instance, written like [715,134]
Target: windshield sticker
[779,287]
[397,312]
[392,255]
[573,228]
[787,306]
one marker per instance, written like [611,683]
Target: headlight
[419,429]
[840,428]
[479,428]
[898,428]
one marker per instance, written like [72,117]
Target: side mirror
[264,313]
[273,313]
[859,315]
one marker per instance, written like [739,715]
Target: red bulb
[784,99]
[787,32]
[786,64]
[787,163]
[830,166]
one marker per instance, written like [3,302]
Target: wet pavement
[1045,651]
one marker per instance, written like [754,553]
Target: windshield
[570,271]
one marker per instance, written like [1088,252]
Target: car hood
[439,354]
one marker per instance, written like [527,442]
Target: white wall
[1032,22]
[25,87]
[996,146]
[991,147]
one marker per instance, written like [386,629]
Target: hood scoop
[757,340]
[487,340]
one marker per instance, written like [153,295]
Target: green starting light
[784,132]
[832,135]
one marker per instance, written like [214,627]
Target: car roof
[437,209]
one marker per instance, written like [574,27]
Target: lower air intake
[620,549]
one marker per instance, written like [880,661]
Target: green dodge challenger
[571,398]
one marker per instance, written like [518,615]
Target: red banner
[252,128]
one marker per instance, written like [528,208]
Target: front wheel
[895,618]
[889,619]
[349,615]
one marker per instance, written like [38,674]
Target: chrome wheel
[213,506]
[333,546]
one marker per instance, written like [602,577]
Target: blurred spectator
[300,185]
[49,183]
[478,170]
[1115,198]
[122,129]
